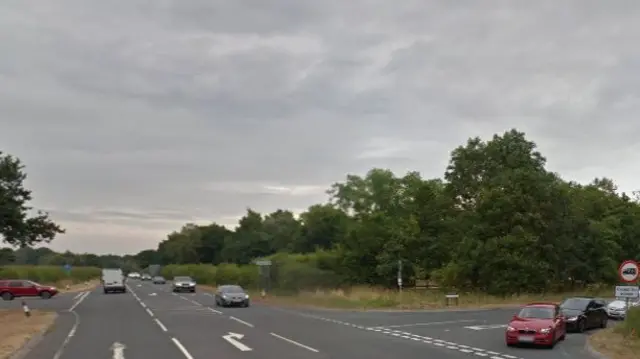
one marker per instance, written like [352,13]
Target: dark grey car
[159,280]
[231,295]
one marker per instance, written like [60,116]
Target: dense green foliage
[17,228]
[49,274]
[499,222]
[630,328]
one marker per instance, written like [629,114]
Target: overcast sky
[136,116]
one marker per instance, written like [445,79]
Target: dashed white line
[184,350]
[149,312]
[161,325]
[80,299]
[295,343]
[215,311]
[241,321]
[142,304]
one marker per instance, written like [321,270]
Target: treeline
[43,256]
[498,222]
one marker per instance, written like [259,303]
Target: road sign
[628,271]
[264,262]
[67,268]
[627,291]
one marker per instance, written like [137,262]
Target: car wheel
[7,296]
[603,323]
[581,326]
[45,295]
[563,336]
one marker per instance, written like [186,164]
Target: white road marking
[233,339]
[86,294]
[295,343]
[118,350]
[241,321]
[427,323]
[485,327]
[78,295]
[150,312]
[161,325]
[181,347]
[215,311]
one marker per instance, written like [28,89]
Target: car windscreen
[536,313]
[182,279]
[575,303]
[231,289]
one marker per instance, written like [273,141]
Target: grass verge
[18,329]
[615,345]
[371,299]
[74,287]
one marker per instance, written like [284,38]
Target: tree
[17,228]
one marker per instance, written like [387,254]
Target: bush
[246,276]
[49,274]
[630,327]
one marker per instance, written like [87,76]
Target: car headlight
[246,296]
[572,319]
[511,329]
[545,330]
[192,284]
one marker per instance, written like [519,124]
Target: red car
[15,288]
[537,324]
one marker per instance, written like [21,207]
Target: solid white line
[182,348]
[241,321]
[150,312]
[215,311]
[294,342]
[142,304]
[78,295]
[161,325]
[86,294]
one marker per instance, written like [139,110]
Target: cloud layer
[137,116]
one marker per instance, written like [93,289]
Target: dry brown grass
[16,329]
[76,287]
[614,345]
[372,298]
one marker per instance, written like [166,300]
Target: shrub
[630,327]
[49,274]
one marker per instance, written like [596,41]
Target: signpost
[264,267]
[628,272]
[67,268]
[400,275]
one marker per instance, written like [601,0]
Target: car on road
[112,280]
[16,288]
[159,280]
[145,276]
[537,324]
[617,309]
[584,313]
[231,295]
[184,284]
[134,275]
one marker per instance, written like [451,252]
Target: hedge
[630,327]
[289,272]
[49,274]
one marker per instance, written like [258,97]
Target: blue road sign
[67,268]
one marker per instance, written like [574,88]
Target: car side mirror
[514,317]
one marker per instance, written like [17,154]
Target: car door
[601,310]
[17,288]
[561,323]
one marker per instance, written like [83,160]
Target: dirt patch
[70,287]
[614,345]
[16,329]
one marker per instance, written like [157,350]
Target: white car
[617,309]
[134,275]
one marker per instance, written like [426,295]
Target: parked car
[16,288]
[184,284]
[231,295]
[159,280]
[584,313]
[537,324]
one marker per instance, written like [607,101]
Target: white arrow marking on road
[118,350]
[233,338]
[152,294]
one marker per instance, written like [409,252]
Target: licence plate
[526,338]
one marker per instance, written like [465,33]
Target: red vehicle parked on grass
[16,288]
[537,324]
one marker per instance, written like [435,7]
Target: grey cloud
[147,106]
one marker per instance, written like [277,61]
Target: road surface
[152,322]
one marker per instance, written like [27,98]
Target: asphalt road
[151,322]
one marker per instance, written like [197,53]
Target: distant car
[231,295]
[537,324]
[146,276]
[16,288]
[134,275]
[159,280]
[584,313]
[184,284]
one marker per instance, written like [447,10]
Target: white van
[113,281]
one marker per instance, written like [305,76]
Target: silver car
[617,309]
[184,284]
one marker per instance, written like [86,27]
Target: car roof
[541,304]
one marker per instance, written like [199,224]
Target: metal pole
[400,275]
